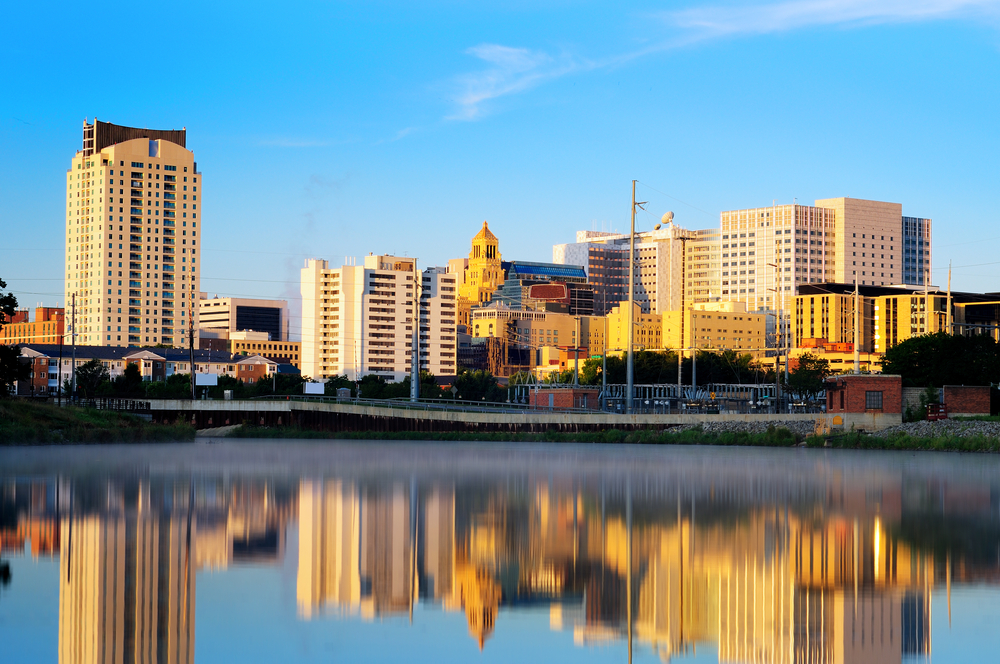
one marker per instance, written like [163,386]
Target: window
[873,400]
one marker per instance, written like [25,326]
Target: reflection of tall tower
[386,550]
[329,539]
[439,543]
[126,588]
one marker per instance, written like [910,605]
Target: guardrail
[457,405]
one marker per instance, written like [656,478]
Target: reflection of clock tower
[483,274]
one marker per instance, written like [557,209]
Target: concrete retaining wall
[351,417]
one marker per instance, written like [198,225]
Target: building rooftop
[527,270]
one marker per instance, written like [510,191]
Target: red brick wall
[854,388]
[967,399]
[564,397]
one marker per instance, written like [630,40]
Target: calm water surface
[348,552]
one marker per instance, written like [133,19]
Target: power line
[694,207]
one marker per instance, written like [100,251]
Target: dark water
[349,552]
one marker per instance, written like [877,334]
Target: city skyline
[426,123]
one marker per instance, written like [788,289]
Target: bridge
[324,414]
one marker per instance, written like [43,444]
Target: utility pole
[415,337]
[631,298]
[190,297]
[927,311]
[576,369]
[949,299]
[629,367]
[604,366]
[72,389]
[857,327]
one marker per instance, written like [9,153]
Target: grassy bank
[902,441]
[774,437]
[24,423]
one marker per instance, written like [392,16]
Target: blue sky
[334,129]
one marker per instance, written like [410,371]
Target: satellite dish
[668,218]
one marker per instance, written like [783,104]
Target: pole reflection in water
[761,557]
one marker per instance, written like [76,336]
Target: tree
[11,367]
[89,376]
[807,378]
[129,384]
[478,385]
[338,382]
[942,359]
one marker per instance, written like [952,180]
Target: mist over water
[363,551]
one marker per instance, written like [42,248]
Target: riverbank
[25,423]
[951,438]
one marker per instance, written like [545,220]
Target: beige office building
[132,231]
[358,319]
[716,326]
[674,267]
[768,252]
[868,241]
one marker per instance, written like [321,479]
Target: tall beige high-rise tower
[132,229]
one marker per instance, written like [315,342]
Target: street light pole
[631,299]
[629,366]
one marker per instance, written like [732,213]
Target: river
[301,551]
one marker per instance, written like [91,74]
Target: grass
[25,423]
[774,437]
[902,441]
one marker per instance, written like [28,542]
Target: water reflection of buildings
[126,584]
[129,552]
[823,573]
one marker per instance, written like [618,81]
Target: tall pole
[604,366]
[415,337]
[949,299]
[857,327]
[72,389]
[631,299]
[190,297]
[927,311]
[680,357]
[576,368]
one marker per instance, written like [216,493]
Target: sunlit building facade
[132,232]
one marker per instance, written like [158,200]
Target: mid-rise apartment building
[132,202]
[234,314]
[47,328]
[358,319]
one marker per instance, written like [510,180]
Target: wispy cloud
[402,133]
[292,143]
[513,70]
[725,20]
[510,70]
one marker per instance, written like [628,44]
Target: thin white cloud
[292,143]
[511,70]
[723,20]
[514,70]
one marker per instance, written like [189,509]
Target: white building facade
[358,319]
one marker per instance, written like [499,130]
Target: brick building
[47,328]
[864,393]
[966,400]
[553,397]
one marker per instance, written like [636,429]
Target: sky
[330,130]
